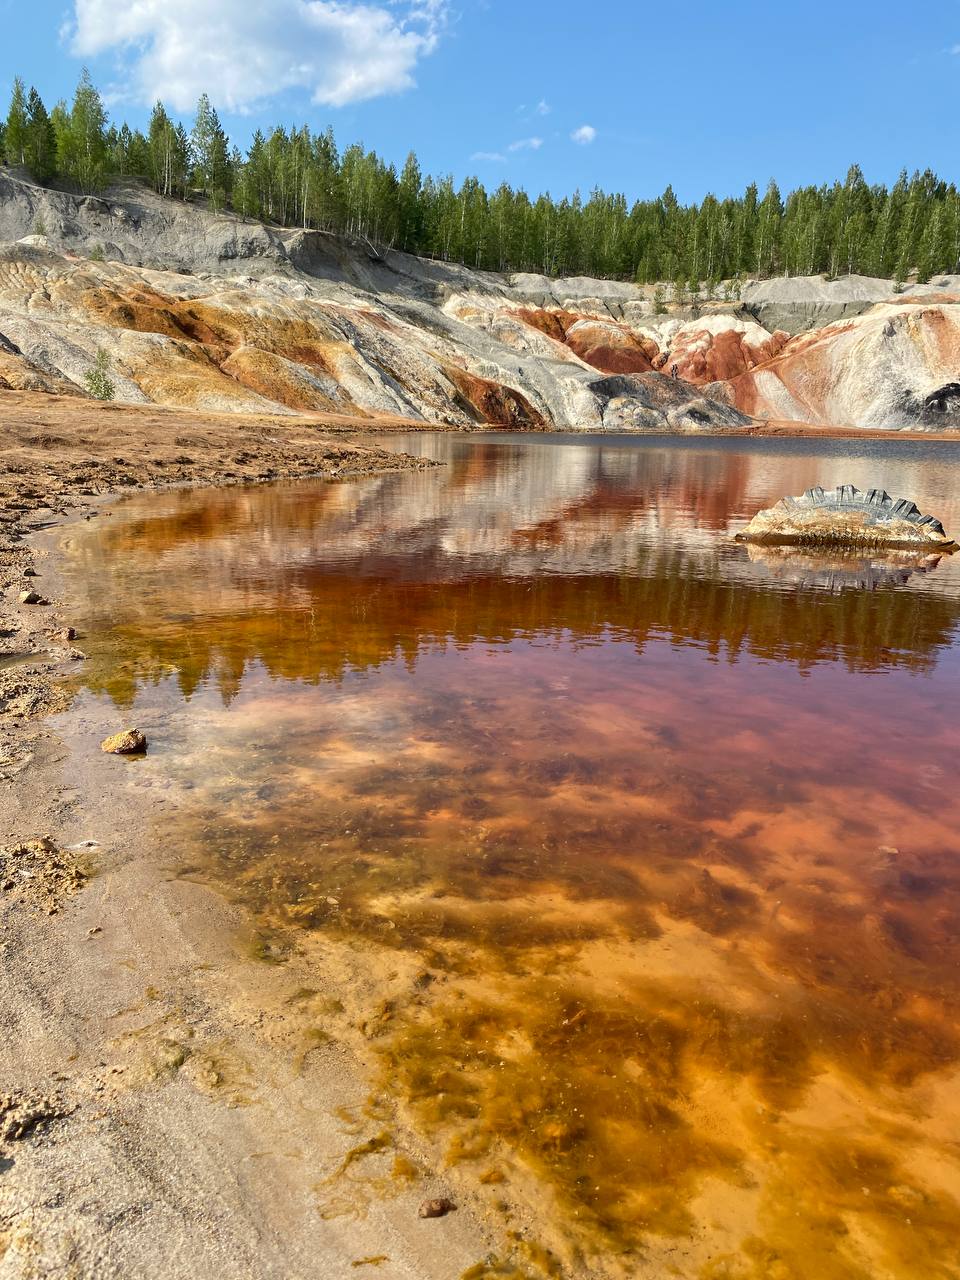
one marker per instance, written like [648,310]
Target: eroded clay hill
[210,312]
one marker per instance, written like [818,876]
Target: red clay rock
[493,402]
[890,367]
[719,348]
[610,347]
[604,344]
[553,323]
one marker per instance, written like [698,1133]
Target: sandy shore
[164,1109]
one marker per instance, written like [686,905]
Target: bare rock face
[651,401]
[205,311]
[718,348]
[129,742]
[845,516]
[895,366]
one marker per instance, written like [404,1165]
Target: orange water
[637,852]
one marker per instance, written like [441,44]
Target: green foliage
[15,133]
[96,253]
[80,135]
[659,303]
[128,152]
[97,378]
[293,177]
[40,142]
[39,226]
[210,155]
[167,154]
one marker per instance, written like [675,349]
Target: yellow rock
[127,743]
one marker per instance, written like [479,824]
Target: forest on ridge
[293,177]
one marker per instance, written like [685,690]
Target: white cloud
[584,135]
[241,53]
[542,108]
[526,144]
[491,156]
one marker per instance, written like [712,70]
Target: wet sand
[161,1112]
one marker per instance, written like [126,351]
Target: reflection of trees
[317,623]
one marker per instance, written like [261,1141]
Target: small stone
[68,633]
[129,742]
[29,597]
[30,573]
[438,1208]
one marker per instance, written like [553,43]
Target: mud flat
[163,1109]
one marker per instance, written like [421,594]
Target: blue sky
[548,95]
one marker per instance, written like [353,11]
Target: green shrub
[97,379]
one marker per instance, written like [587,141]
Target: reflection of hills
[505,542]
[525,509]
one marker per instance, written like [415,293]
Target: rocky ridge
[213,313]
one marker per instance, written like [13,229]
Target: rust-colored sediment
[663,951]
[493,403]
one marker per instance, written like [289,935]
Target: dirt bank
[168,1108]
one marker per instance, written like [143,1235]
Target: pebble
[129,742]
[437,1208]
[30,597]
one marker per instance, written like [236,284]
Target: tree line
[297,177]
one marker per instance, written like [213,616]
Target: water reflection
[315,580]
[633,856]
[839,569]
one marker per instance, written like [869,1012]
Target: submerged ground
[586,866]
